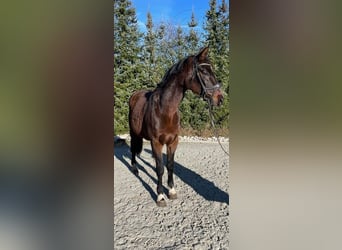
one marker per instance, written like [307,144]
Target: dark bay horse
[154,115]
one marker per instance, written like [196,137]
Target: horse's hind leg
[136,148]
[169,165]
[157,152]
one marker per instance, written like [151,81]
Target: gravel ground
[197,219]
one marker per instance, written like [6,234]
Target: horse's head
[203,80]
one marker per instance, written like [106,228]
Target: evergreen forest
[142,58]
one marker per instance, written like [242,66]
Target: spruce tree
[127,66]
[193,107]
[210,28]
[216,30]
[223,61]
[179,47]
[149,49]
[161,62]
[192,38]
[165,53]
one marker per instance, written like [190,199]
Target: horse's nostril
[220,100]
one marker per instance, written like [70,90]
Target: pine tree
[217,28]
[222,46]
[179,47]
[127,66]
[223,28]
[192,38]
[211,27]
[192,106]
[165,55]
[159,68]
[151,76]
[223,61]
[150,39]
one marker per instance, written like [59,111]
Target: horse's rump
[137,106]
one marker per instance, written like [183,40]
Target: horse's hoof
[161,202]
[172,194]
[135,171]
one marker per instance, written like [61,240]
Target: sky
[178,12]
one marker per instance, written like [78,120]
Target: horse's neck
[171,97]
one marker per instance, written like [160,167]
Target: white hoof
[161,197]
[172,191]
[161,201]
[172,194]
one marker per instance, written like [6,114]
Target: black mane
[175,69]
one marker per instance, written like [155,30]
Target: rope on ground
[214,128]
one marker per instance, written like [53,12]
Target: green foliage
[216,32]
[128,70]
[151,76]
[141,60]
[194,110]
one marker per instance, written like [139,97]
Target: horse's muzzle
[217,98]
[220,100]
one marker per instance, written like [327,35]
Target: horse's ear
[203,54]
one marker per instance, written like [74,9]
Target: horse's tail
[136,144]
[137,106]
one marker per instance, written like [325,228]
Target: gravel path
[197,219]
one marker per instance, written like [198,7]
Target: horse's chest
[168,128]
[170,124]
[167,138]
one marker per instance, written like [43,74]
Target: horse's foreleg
[157,152]
[170,163]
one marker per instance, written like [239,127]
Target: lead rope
[214,128]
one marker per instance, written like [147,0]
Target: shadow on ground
[200,185]
[122,152]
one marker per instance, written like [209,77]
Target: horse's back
[137,105]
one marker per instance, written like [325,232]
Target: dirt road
[197,219]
